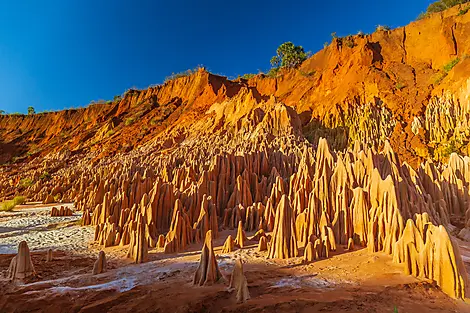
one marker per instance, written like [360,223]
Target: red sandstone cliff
[368,87]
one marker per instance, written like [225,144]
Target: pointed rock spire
[207,272]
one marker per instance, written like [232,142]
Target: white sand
[304,281]
[31,225]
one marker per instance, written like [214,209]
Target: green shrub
[273,73]
[45,176]
[18,200]
[289,55]
[7,205]
[129,121]
[183,74]
[400,86]
[11,204]
[449,66]
[382,28]
[439,78]
[450,148]
[422,15]
[307,74]
[349,41]
[248,76]
[26,182]
[442,5]
[463,12]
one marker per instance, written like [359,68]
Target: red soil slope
[399,70]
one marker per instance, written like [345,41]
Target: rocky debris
[21,266]
[62,211]
[49,256]
[229,245]
[238,282]
[100,264]
[207,272]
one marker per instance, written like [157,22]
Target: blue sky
[66,53]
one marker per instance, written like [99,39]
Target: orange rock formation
[352,149]
[21,266]
[207,272]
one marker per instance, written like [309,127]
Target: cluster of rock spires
[258,174]
[62,211]
[245,157]
[305,198]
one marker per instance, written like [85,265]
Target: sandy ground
[35,225]
[348,282]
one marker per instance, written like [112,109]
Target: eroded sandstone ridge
[354,148]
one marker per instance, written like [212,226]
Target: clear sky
[66,53]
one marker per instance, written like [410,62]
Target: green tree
[289,55]
[31,111]
[441,5]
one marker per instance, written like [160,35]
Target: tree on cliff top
[289,55]
[31,111]
[441,5]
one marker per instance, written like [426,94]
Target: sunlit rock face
[360,146]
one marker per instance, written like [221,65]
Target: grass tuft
[11,204]
[449,66]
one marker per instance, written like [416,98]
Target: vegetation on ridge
[289,55]
[442,5]
[183,74]
[445,70]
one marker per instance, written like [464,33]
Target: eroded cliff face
[389,84]
[294,156]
